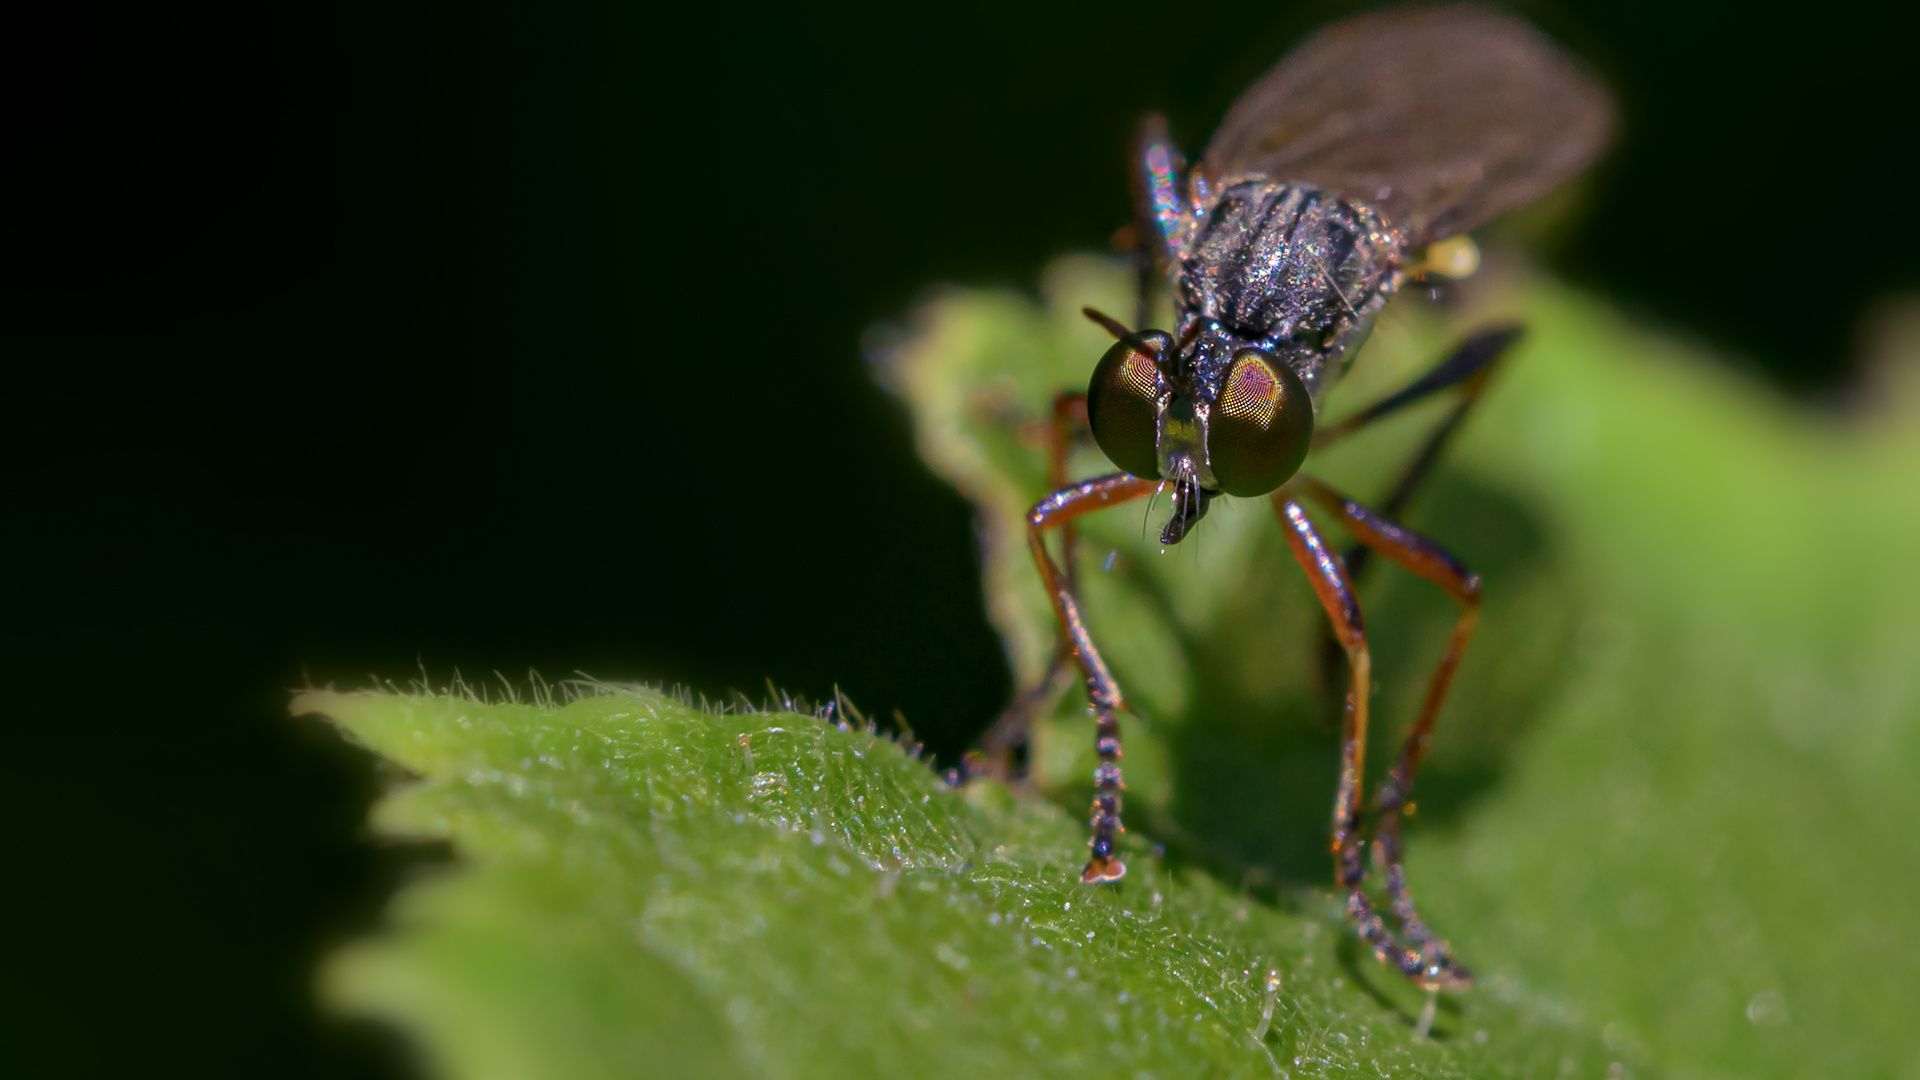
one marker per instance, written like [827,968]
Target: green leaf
[1667,820]
[649,888]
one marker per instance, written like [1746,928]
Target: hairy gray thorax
[1289,268]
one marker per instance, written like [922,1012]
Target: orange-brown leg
[1011,727]
[1328,576]
[1103,694]
[1469,367]
[1429,560]
[1069,418]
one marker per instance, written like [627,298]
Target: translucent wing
[1440,117]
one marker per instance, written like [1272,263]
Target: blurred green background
[294,294]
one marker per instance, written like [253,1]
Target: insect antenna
[1107,322]
[1187,337]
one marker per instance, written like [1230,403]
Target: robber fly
[1328,184]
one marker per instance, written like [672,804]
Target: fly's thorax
[1288,268]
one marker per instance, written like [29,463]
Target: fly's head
[1204,414]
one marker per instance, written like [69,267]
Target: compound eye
[1123,406]
[1261,425]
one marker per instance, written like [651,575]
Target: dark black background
[347,339]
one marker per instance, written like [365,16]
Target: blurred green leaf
[1667,820]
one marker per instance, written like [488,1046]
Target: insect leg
[1069,419]
[1010,728]
[1014,725]
[1423,557]
[1468,365]
[1158,178]
[1328,576]
[1103,694]
[1479,353]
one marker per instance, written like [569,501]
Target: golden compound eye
[1254,393]
[1261,426]
[1122,406]
[1139,375]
